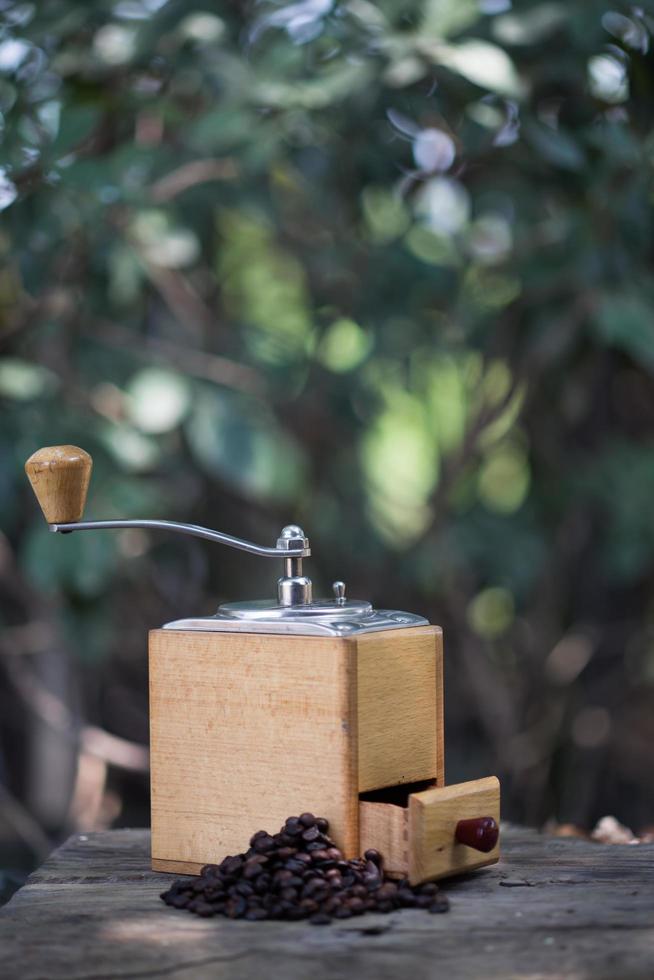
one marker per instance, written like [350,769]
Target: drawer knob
[480,832]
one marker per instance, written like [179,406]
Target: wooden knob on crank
[481,833]
[60,479]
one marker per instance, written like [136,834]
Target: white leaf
[482,63]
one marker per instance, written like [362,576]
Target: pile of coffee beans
[299,874]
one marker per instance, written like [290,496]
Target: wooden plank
[400,684]
[551,908]
[246,729]
[432,819]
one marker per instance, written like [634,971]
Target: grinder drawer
[417,831]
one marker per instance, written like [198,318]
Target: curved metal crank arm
[199,532]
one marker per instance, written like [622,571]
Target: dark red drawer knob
[480,832]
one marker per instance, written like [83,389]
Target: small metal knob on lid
[338,589]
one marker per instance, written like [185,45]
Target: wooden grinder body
[247,729]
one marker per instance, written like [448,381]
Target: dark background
[380,269]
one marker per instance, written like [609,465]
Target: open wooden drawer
[417,831]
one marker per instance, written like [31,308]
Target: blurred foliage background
[381,269]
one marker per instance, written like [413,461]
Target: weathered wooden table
[551,908]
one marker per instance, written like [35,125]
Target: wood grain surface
[60,478]
[400,707]
[433,816]
[245,729]
[552,908]
[248,728]
[418,839]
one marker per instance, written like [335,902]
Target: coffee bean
[387,891]
[297,874]
[254,914]
[295,913]
[281,875]
[236,908]
[320,918]
[262,884]
[439,904]
[252,869]
[202,908]
[179,902]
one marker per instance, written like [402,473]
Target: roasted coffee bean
[297,874]
[440,903]
[386,891]
[295,866]
[243,888]
[295,913]
[202,908]
[320,919]
[262,883]
[236,908]
[179,902]
[254,914]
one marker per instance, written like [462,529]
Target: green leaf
[556,146]
[76,125]
[625,321]
[240,443]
